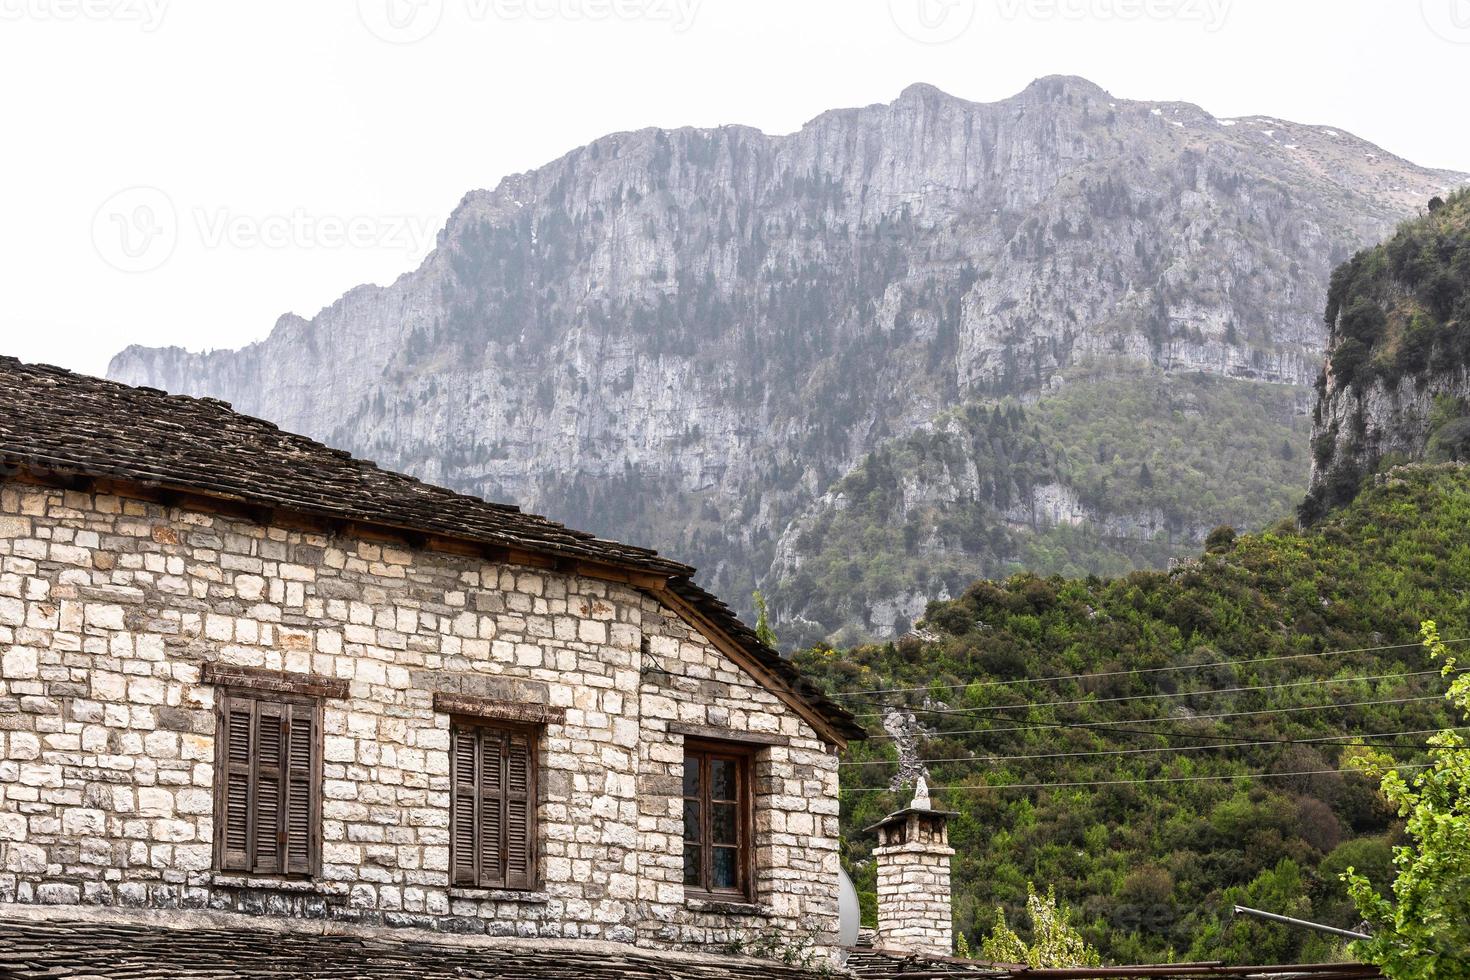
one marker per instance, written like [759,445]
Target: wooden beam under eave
[611,573]
[751,666]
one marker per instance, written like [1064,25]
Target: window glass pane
[691,775]
[722,779]
[722,820]
[724,870]
[691,821]
[691,864]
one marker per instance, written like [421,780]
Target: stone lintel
[727,735]
[521,712]
[275,681]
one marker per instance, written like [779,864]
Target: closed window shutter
[271,727]
[465,806]
[300,804]
[236,728]
[519,813]
[492,808]
[492,803]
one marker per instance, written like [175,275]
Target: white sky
[285,152]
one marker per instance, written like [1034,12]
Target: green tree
[763,620]
[1422,932]
[1053,941]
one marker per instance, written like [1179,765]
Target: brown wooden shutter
[464,807]
[236,770]
[492,804]
[300,801]
[492,816]
[271,724]
[520,838]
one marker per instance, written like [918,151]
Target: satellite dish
[849,916]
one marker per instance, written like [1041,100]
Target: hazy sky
[185,171]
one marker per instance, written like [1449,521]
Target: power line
[1322,740]
[1134,782]
[1172,694]
[1137,670]
[1208,717]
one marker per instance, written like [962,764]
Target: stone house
[243,672]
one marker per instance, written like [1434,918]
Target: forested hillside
[1252,659]
[1395,386]
[1058,486]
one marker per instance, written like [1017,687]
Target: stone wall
[111,605]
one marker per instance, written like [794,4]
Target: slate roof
[77,426]
[868,963]
[75,943]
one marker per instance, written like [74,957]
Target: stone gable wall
[110,606]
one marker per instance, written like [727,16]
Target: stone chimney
[913,852]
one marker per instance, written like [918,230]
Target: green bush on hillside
[1364,578]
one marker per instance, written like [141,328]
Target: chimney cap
[921,806]
[921,796]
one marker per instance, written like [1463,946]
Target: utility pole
[1303,923]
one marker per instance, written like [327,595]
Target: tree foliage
[763,627]
[1421,930]
[1053,940]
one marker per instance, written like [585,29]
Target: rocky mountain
[1396,384]
[783,358]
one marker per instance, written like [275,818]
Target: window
[268,773]
[717,821]
[493,807]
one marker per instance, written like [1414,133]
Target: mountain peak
[922,92]
[1051,87]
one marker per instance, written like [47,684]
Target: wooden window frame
[225,768]
[743,755]
[499,877]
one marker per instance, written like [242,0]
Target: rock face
[686,338]
[1396,384]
